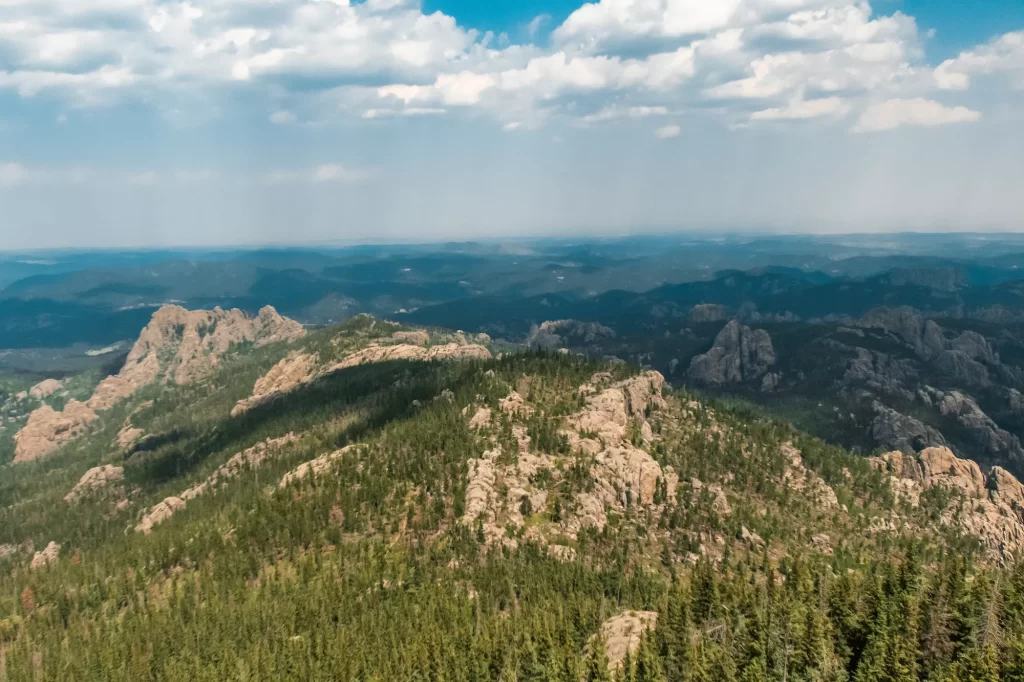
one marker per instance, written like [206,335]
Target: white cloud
[895,113]
[612,113]
[740,60]
[667,131]
[282,117]
[14,174]
[802,110]
[322,174]
[1004,55]
[533,28]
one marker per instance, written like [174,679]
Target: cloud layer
[743,61]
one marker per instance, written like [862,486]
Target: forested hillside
[372,502]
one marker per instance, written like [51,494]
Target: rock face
[708,312]
[46,430]
[317,467]
[738,354]
[250,458]
[622,634]
[557,334]
[375,353]
[293,371]
[986,434]
[991,507]
[299,369]
[505,488]
[177,346]
[799,477]
[46,557]
[95,482]
[160,513]
[45,388]
[894,431]
[880,373]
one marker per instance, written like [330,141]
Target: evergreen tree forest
[367,572]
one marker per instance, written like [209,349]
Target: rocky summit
[177,347]
[739,354]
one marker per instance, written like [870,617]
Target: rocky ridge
[301,368]
[178,346]
[250,458]
[991,507]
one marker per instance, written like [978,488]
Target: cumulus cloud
[793,60]
[895,113]
[1004,55]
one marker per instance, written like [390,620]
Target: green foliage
[367,572]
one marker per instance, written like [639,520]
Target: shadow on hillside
[386,392]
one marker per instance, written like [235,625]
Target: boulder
[622,634]
[96,481]
[46,557]
[45,388]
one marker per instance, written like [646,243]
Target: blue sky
[169,122]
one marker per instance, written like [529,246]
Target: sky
[140,123]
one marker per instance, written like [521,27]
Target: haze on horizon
[149,123]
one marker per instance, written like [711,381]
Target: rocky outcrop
[1016,401]
[44,558]
[295,370]
[708,312]
[299,369]
[96,482]
[622,634]
[925,337]
[128,436]
[376,353]
[879,372]
[46,430]
[553,335]
[962,358]
[45,388]
[962,368]
[895,431]
[317,467]
[160,513]
[177,346]
[607,416]
[991,507]
[504,489]
[798,477]
[251,458]
[738,354]
[416,337]
[987,436]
